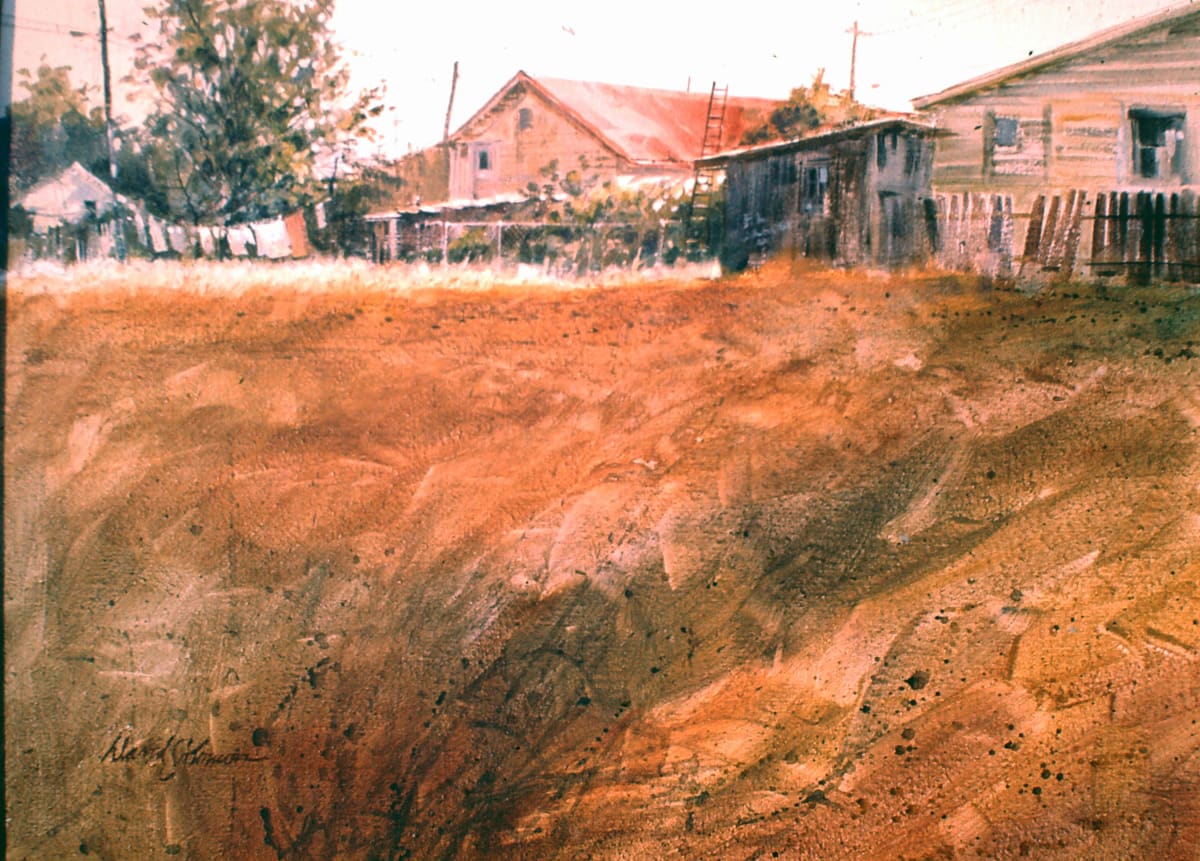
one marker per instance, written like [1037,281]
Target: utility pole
[854,52]
[118,219]
[446,127]
[8,8]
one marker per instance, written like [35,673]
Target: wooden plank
[953,244]
[1189,251]
[1099,232]
[1057,248]
[1073,231]
[1143,220]
[1173,229]
[1126,233]
[1160,236]
[1033,237]
[1048,230]
[1006,257]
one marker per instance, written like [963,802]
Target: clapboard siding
[1074,118]
[519,154]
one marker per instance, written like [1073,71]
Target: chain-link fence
[561,247]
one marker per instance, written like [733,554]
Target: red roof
[645,126]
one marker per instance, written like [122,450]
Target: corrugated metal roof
[1061,54]
[645,126]
[815,141]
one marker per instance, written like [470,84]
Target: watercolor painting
[536,432]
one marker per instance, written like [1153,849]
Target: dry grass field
[800,564]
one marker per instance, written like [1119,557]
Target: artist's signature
[166,757]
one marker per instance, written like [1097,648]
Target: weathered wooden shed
[857,195]
[1094,149]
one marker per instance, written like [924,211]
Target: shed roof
[644,126]
[1163,19]
[816,141]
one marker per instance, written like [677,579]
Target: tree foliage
[54,126]
[808,109]
[251,96]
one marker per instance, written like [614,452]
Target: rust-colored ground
[800,565]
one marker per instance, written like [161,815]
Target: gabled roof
[65,197]
[817,141]
[643,126]
[1158,20]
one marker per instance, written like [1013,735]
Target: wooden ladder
[705,179]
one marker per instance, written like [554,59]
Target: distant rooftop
[646,126]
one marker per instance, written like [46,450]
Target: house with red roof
[534,126]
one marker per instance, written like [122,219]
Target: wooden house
[856,195]
[1074,145]
[603,131]
[1121,108]
[70,214]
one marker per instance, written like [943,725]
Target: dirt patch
[798,563]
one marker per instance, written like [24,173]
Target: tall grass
[234,278]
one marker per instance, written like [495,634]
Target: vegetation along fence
[560,247]
[1142,236]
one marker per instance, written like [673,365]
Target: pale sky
[757,48]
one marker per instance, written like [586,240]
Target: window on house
[524,119]
[1157,143]
[485,159]
[1005,131]
[812,195]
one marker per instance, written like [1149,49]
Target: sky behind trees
[758,48]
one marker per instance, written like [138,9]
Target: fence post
[445,243]
[499,242]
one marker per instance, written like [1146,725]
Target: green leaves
[54,126]
[251,93]
[808,109]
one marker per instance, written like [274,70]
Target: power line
[30,25]
[962,14]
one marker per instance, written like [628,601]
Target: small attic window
[524,119]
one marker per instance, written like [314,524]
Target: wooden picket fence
[1147,236]
[1142,236]
[972,232]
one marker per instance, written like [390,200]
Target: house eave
[1062,54]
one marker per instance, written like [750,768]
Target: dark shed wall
[839,201]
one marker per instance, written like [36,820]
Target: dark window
[912,155]
[881,150]
[524,119]
[1006,131]
[816,183]
[1157,143]
[485,160]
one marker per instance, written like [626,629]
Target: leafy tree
[807,109]
[53,126]
[251,95]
